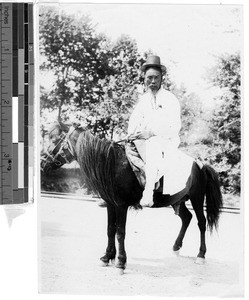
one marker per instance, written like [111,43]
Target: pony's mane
[96,158]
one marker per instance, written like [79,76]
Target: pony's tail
[214,200]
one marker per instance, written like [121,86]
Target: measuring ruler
[16,105]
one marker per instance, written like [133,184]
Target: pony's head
[61,147]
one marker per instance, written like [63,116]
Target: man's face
[153,79]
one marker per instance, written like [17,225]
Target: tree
[225,124]
[120,88]
[72,51]
[96,79]
[191,115]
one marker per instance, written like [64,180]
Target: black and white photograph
[140,117]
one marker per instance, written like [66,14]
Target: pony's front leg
[110,253]
[121,214]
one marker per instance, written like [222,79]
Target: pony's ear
[64,127]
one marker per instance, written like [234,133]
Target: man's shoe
[147,199]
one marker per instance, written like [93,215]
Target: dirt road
[73,238]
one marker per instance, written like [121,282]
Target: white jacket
[161,115]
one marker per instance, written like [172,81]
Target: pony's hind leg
[198,208]
[186,217]
[110,253]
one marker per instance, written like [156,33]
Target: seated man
[154,126]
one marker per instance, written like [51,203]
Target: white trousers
[163,158]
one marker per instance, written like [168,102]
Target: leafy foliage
[95,79]
[225,124]
[98,81]
[191,115]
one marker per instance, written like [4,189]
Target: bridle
[64,155]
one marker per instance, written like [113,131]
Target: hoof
[176,253]
[120,271]
[200,261]
[103,264]
[113,261]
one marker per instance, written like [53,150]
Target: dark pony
[105,167]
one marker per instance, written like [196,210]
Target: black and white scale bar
[16,105]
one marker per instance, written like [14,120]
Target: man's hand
[141,135]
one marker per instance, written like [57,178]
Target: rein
[122,141]
[126,140]
[65,151]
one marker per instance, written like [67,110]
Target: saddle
[135,152]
